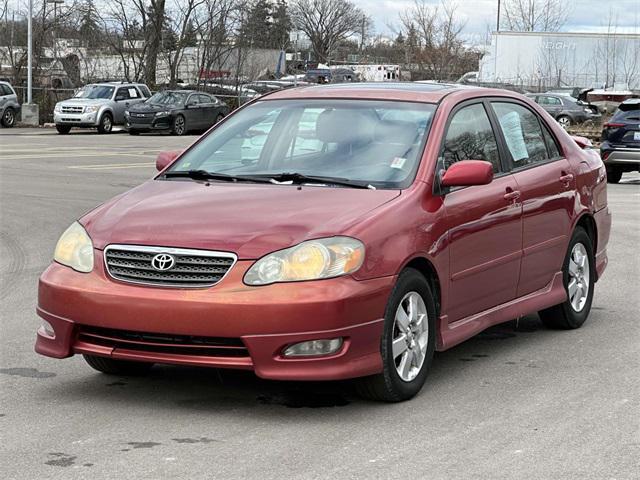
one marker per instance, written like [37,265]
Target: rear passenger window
[522,133]
[552,145]
[204,98]
[470,137]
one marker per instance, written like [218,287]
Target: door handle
[566,178]
[512,195]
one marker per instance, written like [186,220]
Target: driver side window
[470,137]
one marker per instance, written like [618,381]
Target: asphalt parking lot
[517,401]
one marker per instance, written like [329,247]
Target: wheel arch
[588,223]
[428,270]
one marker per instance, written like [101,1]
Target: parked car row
[103,105]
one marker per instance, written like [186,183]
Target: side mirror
[165,159]
[467,173]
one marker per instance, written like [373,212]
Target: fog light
[47,329]
[314,347]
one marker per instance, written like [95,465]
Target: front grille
[72,109]
[186,268]
[163,343]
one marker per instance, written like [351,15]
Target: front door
[547,184]
[485,237]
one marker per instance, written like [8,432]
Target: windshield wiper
[205,175]
[301,178]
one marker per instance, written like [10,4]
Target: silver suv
[98,105]
[9,106]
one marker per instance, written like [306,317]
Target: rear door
[546,181]
[551,104]
[485,236]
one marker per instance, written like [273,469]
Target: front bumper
[266,319]
[155,124]
[76,119]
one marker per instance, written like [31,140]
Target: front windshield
[95,91]
[167,98]
[374,142]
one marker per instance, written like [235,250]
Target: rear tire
[117,367]
[106,123]
[578,271]
[9,118]
[63,129]
[614,175]
[413,346]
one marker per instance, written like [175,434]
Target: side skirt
[451,334]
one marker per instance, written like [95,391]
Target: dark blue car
[620,148]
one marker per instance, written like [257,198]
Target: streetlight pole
[30,52]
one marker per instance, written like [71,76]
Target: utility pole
[30,52]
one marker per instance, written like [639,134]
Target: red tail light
[613,125]
[605,155]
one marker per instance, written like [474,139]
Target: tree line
[428,39]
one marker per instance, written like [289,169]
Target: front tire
[579,276]
[117,367]
[63,129]
[106,123]
[564,121]
[9,118]
[408,341]
[179,126]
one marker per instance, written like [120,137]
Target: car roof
[114,84]
[425,92]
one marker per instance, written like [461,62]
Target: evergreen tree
[281,25]
[258,24]
[89,28]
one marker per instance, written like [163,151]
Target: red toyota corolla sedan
[336,232]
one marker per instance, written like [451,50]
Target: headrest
[344,126]
[396,132]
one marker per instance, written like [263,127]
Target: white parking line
[112,166]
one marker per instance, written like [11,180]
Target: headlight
[57,108]
[75,249]
[162,114]
[312,260]
[91,109]
[126,113]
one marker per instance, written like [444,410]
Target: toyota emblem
[163,262]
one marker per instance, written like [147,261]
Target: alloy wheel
[179,126]
[578,284]
[564,122]
[9,117]
[106,123]
[410,336]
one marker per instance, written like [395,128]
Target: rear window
[628,111]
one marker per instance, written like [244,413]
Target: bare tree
[327,23]
[153,36]
[180,22]
[536,15]
[434,40]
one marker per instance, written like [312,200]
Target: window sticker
[512,129]
[133,93]
[398,162]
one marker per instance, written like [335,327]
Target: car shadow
[235,391]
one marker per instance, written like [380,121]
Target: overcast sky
[585,15]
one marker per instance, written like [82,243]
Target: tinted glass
[522,133]
[5,90]
[627,111]
[356,140]
[470,137]
[552,145]
[167,98]
[145,91]
[550,101]
[95,91]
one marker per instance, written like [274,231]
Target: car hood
[250,220]
[85,101]
[151,108]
